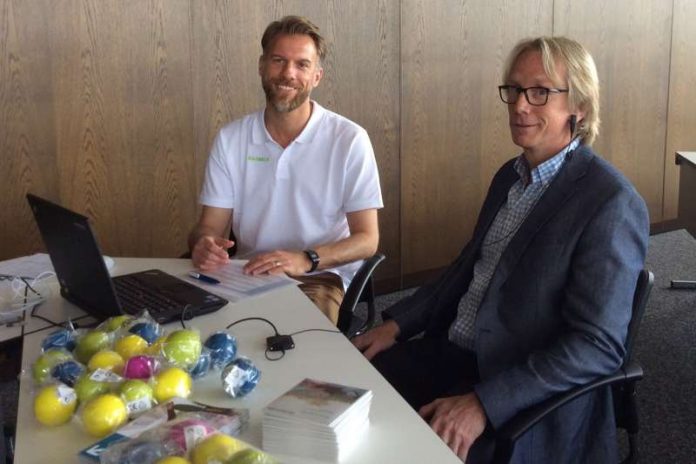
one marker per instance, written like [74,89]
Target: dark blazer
[557,308]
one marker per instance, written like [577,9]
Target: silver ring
[276,263]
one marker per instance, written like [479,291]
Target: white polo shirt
[294,198]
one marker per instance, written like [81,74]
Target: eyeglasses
[536,96]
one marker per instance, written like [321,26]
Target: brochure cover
[318,402]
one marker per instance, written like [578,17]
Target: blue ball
[67,372]
[146,330]
[62,338]
[240,377]
[202,366]
[223,348]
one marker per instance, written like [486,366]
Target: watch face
[314,258]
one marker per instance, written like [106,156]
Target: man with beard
[296,183]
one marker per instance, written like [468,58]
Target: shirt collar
[546,171]
[260,134]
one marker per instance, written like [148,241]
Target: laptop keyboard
[134,296]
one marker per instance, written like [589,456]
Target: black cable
[63,325]
[282,353]
[23,279]
[183,316]
[315,330]
[254,319]
[33,314]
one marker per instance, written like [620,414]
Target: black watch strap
[314,258]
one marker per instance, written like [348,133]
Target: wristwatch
[314,258]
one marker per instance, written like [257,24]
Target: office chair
[623,383]
[360,290]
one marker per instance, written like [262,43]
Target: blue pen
[204,278]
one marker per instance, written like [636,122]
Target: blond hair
[292,25]
[583,83]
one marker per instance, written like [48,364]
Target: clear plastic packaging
[141,367]
[223,349]
[172,382]
[146,327]
[139,396]
[21,294]
[68,372]
[95,383]
[103,414]
[44,364]
[240,377]
[60,339]
[203,365]
[55,404]
[91,342]
[182,348]
[179,436]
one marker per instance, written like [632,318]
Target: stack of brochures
[317,420]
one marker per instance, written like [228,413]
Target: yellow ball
[156,348]
[130,345]
[172,382]
[116,322]
[104,414]
[55,404]
[106,359]
[215,448]
[173,460]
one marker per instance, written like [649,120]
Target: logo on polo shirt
[259,159]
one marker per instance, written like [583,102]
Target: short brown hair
[583,83]
[291,25]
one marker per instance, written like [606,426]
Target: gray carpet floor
[665,349]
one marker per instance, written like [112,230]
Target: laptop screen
[76,257]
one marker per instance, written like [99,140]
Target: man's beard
[283,105]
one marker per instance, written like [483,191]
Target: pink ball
[187,433]
[140,367]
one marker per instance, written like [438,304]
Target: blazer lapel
[494,201]
[563,187]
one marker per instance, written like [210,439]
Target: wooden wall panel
[361,76]
[27,141]
[110,106]
[122,87]
[454,132]
[681,118]
[630,41]
[361,82]
[226,46]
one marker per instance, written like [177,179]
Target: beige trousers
[326,292]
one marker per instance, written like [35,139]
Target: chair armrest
[513,429]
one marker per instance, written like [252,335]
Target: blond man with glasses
[539,300]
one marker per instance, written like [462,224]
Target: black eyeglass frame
[522,90]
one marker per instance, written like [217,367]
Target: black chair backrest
[360,290]
[640,300]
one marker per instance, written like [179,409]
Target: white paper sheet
[236,285]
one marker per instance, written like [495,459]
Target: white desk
[397,434]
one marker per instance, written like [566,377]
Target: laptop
[85,281]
